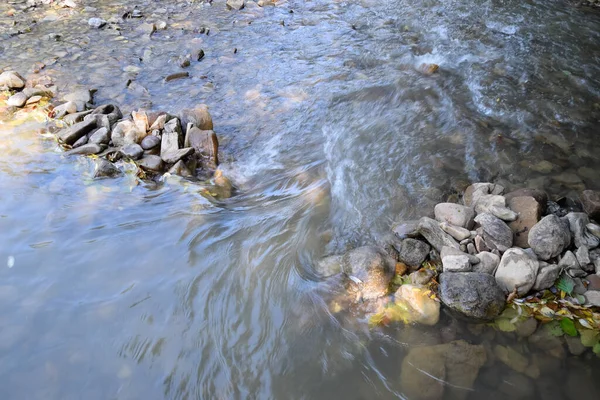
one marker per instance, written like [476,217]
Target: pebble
[96,22]
[17,100]
[177,75]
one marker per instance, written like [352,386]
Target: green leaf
[555,329]
[568,327]
[589,338]
[565,283]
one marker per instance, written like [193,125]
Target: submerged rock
[517,270]
[85,150]
[329,266]
[199,116]
[549,237]
[370,269]
[472,294]
[422,309]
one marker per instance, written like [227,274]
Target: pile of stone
[22,94]
[491,247]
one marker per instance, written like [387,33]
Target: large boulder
[591,203]
[474,295]
[431,231]
[496,233]
[412,252]
[371,270]
[429,373]
[529,213]
[517,270]
[581,235]
[455,214]
[549,237]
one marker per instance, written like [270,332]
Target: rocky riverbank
[515,261]
[157,142]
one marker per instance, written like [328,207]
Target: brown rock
[591,203]
[205,143]
[539,195]
[199,116]
[530,211]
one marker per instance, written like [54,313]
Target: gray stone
[100,136]
[456,264]
[583,257]
[235,4]
[151,163]
[74,118]
[496,233]
[126,132]
[431,231]
[113,113]
[171,157]
[593,229]
[471,249]
[456,232]
[17,100]
[82,98]
[329,266]
[549,237]
[133,151]
[526,328]
[574,345]
[71,134]
[422,276]
[517,270]
[450,251]
[413,252]
[180,169]
[371,269]
[150,142]
[593,297]
[591,203]
[159,123]
[10,80]
[406,229]
[63,109]
[488,263]
[86,149]
[105,169]
[547,275]
[455,214]
[80,142]
[578,226]
[569,263]
[472,294]
[495,205]
[172,137]
[96,22]
[475,190]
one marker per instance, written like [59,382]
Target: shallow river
[116,290]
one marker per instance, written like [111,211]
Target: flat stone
[10,80]
[549,237]
[151,163]
[413,252]
[435,236]
[455,214]
[133,151]
[517,270]
[63,109]
[456,232]
[450,251]
[80,142]
[593,282]
[71,134]
[17,100]
[76,117]
[100,136]
[583,258]
[496,233]
[529,212]
[150,142]
[488,263]
[547,275]
[86,149]
[475,190]
[539,195]
[472,294]
[171,157]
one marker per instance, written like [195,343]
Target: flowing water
[112,290]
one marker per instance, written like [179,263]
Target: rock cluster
[491,247]
[21,92]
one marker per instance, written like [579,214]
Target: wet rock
[147,28]
[76,117]
[126,132]
[423,309]
[421,277]
[96,23]
[80,142]
[517,270]
[574,345]
[133,151]
[516,386]
[82,98]
[431,231]
[235,4]
[100,136]
[428,69]
[529,212]
[455,214]
[180,169]
[198,54]
[205,143]
[184,61]
[408,229]
[10,80]
[71,134]
[150,142]
[456,232]
[171,157]
[474,191]
[370,269]
[223,183]
[63,109]
[105,169]
[526,328]
[413,252]
[578,226]
[199,116]
[592,297]
[488,263]
[112,112]
[591,203]
[140,119]
[547,275]
[86,149]
[172,137]
[446,370]
[570,265]
[512,358]
[17,100]
[544,339]
[151,163]
[472,294]
[329,266]
[549,237]
[496,233]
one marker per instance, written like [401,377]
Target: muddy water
[120,290]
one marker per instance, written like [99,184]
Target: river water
[116,290]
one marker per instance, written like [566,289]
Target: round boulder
[473,295]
